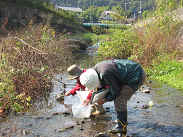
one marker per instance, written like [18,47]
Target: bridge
[102,25]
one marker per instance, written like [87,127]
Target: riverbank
[169,72]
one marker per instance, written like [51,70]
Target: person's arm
[89,95]
[76,88]
[73,91]
[88,98]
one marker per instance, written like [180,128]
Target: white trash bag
[79,110]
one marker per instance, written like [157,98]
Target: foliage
[29,58]
[92,14]
[87,38]
[166,6]
[119,10]
[167,70]
[9,99]
[99,29]
[91,37]
[123,7]
[117,45]
[143,44]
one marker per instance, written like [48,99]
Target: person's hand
[67,93]
[101,101]
[86,102]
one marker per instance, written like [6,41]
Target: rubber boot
[121,126]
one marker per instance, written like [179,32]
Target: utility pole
[90,12]
[125,5]
[140,7]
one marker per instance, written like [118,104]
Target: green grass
[169,72]
[90,37]
[86,37]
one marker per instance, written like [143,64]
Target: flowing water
[54,119]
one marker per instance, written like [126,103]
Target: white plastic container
[70,100]
[79,110]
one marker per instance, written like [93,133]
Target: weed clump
[28,60]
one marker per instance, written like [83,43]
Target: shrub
[9,99]
[143,44]
[118,45]
[29,58]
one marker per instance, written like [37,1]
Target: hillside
[18,14]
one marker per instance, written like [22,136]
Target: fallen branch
[25,43]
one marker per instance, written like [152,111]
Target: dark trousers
[125,94]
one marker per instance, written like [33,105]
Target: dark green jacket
[116,73]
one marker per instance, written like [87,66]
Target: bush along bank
[19,89]
[28,60]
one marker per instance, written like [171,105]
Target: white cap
[90,79]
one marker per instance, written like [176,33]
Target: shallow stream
[163,119]
[54,119]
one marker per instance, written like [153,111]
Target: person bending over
[120,78]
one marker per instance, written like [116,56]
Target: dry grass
[37,47]
[154,42]
[32,56]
